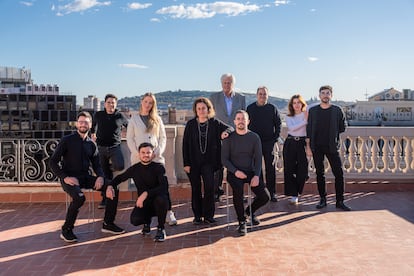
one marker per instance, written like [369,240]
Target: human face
[201,111]
[146,105]
[297,106]
[145,155]
[110,105]
[227,85]
[241,121]
[262,96]
[83,124]
[325,95]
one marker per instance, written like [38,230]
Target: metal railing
[367,153]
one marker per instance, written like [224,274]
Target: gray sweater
[242,152]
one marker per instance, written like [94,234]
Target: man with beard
[71,161]
[152,188]
[241,154]
[325,122]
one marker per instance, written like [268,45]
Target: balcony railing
[367,153]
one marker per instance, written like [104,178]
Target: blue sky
[91,47]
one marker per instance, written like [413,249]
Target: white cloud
[80,6]
[138,6]
[132,65]
[312,10]
[281,2]
[155,19]
[27,4]
[207,10]
[313,59]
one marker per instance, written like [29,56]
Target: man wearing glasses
[325,122]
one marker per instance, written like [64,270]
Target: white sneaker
[294,200]
[170,218]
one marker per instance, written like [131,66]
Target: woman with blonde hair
[147,127]
[295,148]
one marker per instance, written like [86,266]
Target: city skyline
[91,47]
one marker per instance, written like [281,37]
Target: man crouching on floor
[152,188]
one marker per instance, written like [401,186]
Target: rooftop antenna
[366,94]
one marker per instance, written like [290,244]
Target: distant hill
[184,99]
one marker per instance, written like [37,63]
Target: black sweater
[191,145]
[148,178]
[108,128]
[73,157]
[264,121]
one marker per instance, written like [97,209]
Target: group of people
[223,136]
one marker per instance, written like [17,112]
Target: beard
[83,130]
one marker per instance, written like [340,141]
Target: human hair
[153,117]
[144,145]
[228,75]
[107,96]
[241,111]
[323,87]
[262,87]
[207,102]
[84,114]
[290,104]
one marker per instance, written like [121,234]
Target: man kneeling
[152,188]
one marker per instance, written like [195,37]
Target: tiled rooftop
[376,238]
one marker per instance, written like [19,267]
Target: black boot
[322,203]
[341,205]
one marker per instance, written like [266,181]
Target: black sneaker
[197,221]
[210,220]
[254,219]
[242,228]
[112,228]
[160,236]
[68,236]
[146,230]
[273,198]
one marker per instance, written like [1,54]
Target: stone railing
[367,153]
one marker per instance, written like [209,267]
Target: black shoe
[220,191]
[242,228]
[68,236]
[254,220]
[146,230]
[210,220]
[102,205]
[273,198]
[197,221]
[341,205]
[160,236]
[216,197]
[322,203]
[112,228]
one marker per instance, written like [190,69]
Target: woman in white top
[147,126]
[295,149]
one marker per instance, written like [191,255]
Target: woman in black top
[202,156]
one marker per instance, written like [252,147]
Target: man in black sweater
[70,162]
[241,154]
[325,122]
[106,131]
[265,121]
[152,187]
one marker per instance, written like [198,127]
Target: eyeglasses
[84,122]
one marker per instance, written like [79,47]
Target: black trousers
[269,168]
[78,199]
[203,206]
[295,164]
[156,206]
[237,185]
[336,166]
[108,155]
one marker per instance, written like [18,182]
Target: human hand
[141,199]
[240,174]
[255,181]
[70,180]
[224,135]
[99,183]
[187,169]
[110,192]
